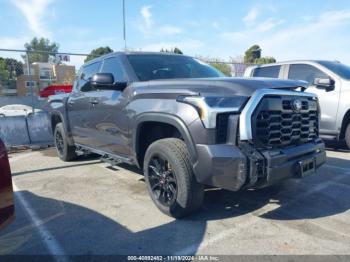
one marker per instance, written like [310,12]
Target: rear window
[267,71]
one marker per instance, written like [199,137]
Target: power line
[41,52]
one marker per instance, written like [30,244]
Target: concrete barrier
[39,128]
[14,131]
[25,131]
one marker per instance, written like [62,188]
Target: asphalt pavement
[86,207]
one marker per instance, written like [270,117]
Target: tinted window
[268,71]
[305,72]
[151,67]
[340,69]
[114,66]
[87,72]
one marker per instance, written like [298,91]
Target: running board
[111,159]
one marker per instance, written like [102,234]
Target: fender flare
[63,121]
[167,119]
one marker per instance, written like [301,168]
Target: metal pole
[124,28]
[31,81]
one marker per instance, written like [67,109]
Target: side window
[114,66]
[86,74]
[267,71]
[76,80]
[304,72]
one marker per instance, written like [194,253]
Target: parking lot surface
[87,207]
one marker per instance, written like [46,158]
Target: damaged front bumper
[232,167]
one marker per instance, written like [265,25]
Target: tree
[254,52]
[4,73]
[10,69]
[98,52]
[175,51]
[253,56]
[14,67]
[265,60]
[222,67]
[41,44]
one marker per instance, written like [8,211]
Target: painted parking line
[48,239]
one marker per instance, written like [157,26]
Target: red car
[7,208]
[55,89]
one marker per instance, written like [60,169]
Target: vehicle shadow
[80,230]
[336,146]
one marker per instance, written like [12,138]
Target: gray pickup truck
[187,126]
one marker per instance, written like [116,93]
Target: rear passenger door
[273,71]
[328,99]
[80,107]
[110,123]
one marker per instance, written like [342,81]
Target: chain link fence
[27,78]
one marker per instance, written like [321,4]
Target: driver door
[81,113]
[328,99]
[110,123]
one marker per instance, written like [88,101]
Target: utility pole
[124,29]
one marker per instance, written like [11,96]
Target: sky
[224,29]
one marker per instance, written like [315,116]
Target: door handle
[70,102]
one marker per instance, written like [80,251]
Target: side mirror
[106,81]
[324,83]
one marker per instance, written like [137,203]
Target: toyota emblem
[297,105]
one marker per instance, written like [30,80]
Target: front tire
[170,179]
[347,136]
[64,151]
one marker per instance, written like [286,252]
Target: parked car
[55,89]
[330,80]
[188,126]
[17,110]
[7,208]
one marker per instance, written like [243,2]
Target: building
[41,75]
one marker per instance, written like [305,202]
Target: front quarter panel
[344,104]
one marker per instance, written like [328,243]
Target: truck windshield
[152,67]
[338,68]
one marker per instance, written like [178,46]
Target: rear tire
[170,179]
[347,136]
[64,151]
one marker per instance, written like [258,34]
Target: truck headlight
[209,107]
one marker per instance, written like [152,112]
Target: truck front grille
[277,123]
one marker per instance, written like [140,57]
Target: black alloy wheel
[162,180]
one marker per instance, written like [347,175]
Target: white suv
[330,80]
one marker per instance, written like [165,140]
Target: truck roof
[131,53]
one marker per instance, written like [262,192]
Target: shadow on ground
[84,231]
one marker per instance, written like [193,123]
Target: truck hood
[215,86]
